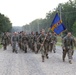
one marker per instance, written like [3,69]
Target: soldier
[42,48]
[29,44]
[19,37]
[32,38]
[36,44]
[9,38]
[53,41]
[14,41]
[4,41]
[24,41]
[68,45]
[47,42]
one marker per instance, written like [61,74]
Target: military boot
[13,50]
[70,61]
[47,56]
[4,47]
[16,51]
[54,51]
[63,60]
[26,51]
[42,58]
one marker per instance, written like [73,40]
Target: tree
[74,28]
[5,24]
[68,13]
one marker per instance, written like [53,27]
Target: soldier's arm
[63,42]
[56,39]
[74,41]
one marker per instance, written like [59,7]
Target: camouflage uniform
[68,45]
[46,45]
[4,41]
[32,38]
[36,43]
[29,44]
[42,48]
[9,38]
[19,41]
[24,41]
[52,44]
[14,42]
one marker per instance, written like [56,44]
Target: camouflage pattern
[24,41]
[9,38]
[42,48]
[36,43]
[15,42]
[68,47]
[52,42]
[5,41]
[19,41]
[32,38]
[46,44]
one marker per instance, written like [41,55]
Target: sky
[21,12]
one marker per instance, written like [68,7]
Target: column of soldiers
[43,42]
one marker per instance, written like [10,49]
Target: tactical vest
[24,39]
[68,41]
[5,37]
[42,38]
[14,38]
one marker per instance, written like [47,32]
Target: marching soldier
[36,44]
[9,38]
[32,38]
[29,44]
[19,37]
[14,41]
[47,42]
[5,41]
[24,41]
[53,41]
[68,47]
[42,39]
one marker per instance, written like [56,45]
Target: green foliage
[74,28]
[0,46]
[5,24]
[68,14]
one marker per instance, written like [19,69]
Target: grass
[59,39]
[59,43]
[0,46]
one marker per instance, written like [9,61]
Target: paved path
[30,63]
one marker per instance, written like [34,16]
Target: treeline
[68,15]
[5,24]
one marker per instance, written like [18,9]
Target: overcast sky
[22,12]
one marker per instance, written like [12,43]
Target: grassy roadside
[0,46]
[59,43]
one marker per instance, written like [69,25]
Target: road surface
[31,63]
